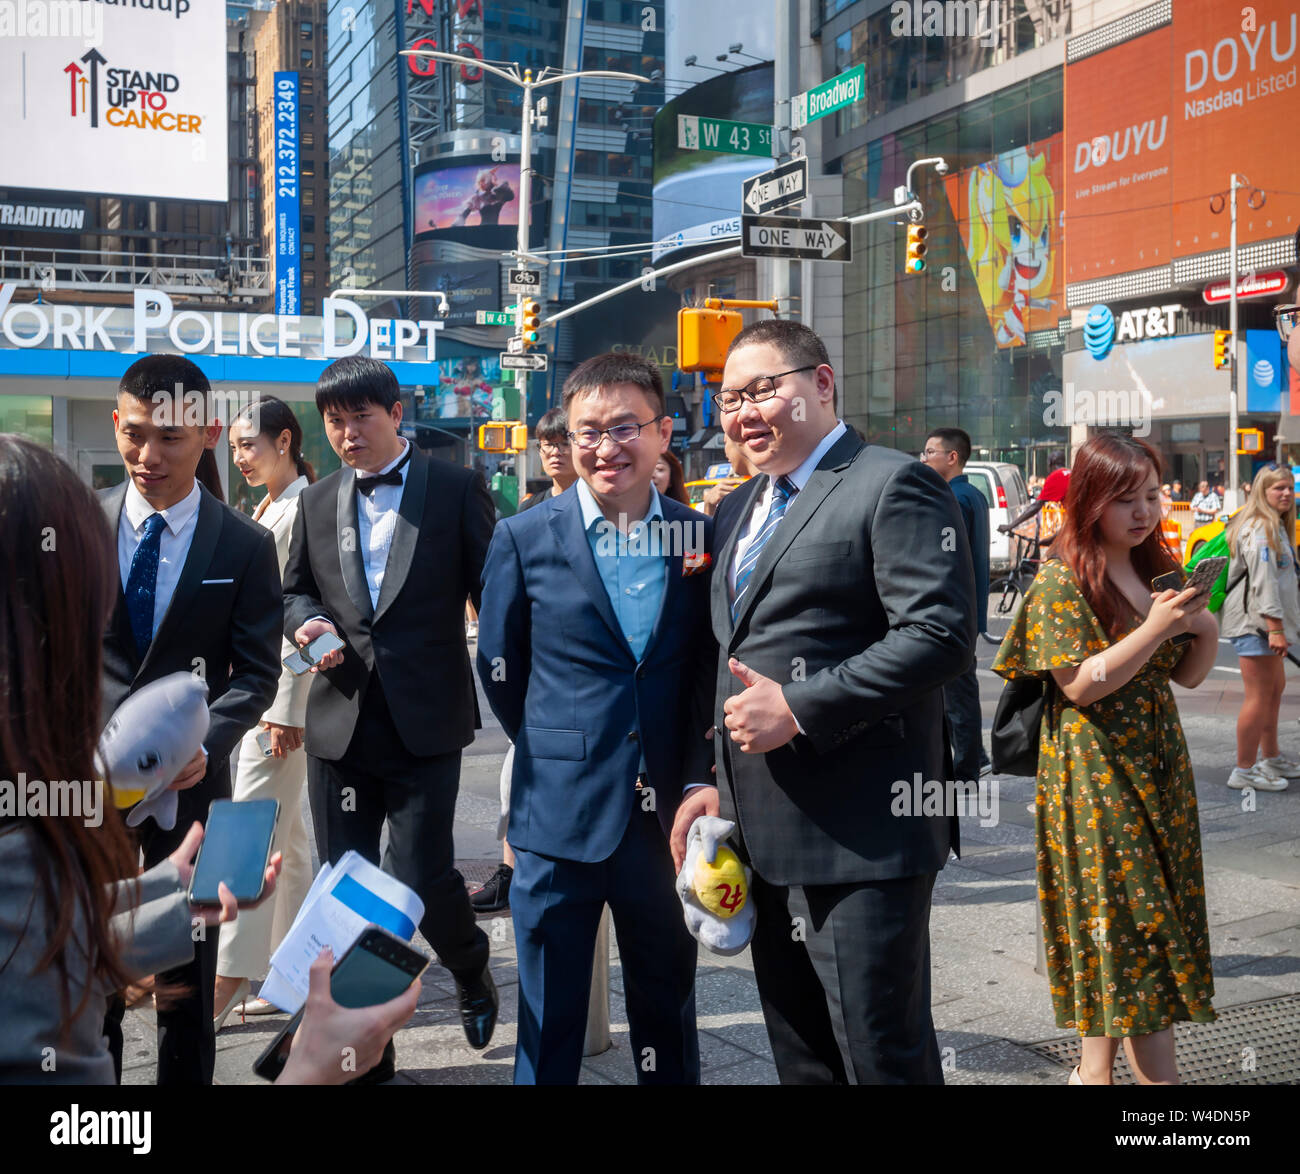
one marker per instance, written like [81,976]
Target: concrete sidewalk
[989,1004]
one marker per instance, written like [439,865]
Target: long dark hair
[271,416]
[58,584]
[1109,465]
[676,478]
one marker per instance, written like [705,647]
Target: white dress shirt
[173,546]
[758,514]
[377,520]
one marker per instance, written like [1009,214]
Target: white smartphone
[302,660]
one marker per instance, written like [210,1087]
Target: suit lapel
[348,532]
[120,622]
[406,531]
[720,595]
[207,530]
[566,523]
[825,478]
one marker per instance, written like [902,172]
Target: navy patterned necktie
[142,583]
[783,489]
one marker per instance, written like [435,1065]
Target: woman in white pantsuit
[266,446]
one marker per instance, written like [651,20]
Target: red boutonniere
[693,562]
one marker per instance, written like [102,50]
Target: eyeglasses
[756,390]
[620,434]
[934,452]
[552,446]
[1285,319]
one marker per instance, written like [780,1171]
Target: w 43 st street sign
[695,133]
[800,240]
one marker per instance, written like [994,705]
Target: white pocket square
[206,582]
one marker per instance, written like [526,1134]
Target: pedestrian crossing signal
[1222,355]
[703,337]
[916,234]
[530,318]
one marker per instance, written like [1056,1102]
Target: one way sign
[775,189]
[803,240]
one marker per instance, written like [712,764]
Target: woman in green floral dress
[1120,885]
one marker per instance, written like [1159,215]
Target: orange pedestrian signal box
[703,337]
[503,436]
[1249,441]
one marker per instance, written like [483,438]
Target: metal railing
[115,272]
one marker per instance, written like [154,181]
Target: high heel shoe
[1075,1078]
[241,993]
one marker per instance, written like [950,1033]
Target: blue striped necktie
[783,489]
[142,583]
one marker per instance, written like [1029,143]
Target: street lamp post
[528,84]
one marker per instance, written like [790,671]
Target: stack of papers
[343,899]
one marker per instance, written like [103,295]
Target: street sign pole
[785,80]
[521,249]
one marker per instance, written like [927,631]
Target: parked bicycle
[1006,593]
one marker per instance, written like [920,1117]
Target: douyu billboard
[135,106]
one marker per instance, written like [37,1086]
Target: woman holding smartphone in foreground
[1121,890]
[72,932]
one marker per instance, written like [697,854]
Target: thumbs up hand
[758,718]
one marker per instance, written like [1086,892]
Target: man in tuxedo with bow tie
[842,600]
[384,554]
[200,593]
[595,654]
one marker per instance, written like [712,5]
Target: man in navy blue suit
[596,655]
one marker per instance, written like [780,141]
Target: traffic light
[530,316]
[1222,355]
[703,337]
[916,234]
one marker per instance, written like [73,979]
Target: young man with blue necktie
[200,593]
[595,653]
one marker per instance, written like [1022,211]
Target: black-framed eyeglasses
[552,446]
[756,390]
[619,434]
[1285,318]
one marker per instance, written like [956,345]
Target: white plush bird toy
[147,741]
[714,888]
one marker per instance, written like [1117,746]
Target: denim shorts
[1250,645]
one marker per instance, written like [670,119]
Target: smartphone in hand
[236,849]
[302,660]
[378,967]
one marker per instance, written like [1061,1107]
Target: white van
[1003,488]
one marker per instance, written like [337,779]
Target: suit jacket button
[640,674]
[634,737]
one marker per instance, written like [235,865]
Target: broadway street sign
[775,189]
[842,90]
[803,240]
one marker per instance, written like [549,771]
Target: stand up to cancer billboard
[1157,124]
[129,103]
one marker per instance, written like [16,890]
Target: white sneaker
[471,630]
[1280,767]
[1243,778]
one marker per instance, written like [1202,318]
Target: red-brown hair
[1108,466]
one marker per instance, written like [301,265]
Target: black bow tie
[367,485]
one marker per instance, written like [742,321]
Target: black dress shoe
[385,1070]
[478,1008]
[495,893]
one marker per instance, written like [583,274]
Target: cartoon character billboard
[1010,224]
[457,197]
[466,388]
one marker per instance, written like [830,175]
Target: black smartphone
[378,967]
[236,849]
[300,661]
